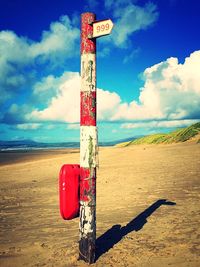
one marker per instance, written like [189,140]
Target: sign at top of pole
[102,27]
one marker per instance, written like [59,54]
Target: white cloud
[50,126]
[158,124]
[13,57]
[13,48]
[58,43]
[17,53]
[107,103]
[15,114]
[49,86]
[61,39]
[171,92]
[74,126]
[28,126]
[64,105]
[129,18]
[132,55]
[174,88]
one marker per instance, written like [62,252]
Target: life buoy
[69,191]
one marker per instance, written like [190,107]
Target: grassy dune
[177,136]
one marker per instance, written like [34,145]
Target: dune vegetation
[180,135]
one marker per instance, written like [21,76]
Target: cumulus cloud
[64,105]
[18,53]
[60,40]
[129,18]
[16,114]
[49,86]
[13,57]
[107,104]
[171,92]
[174,88]
[158,124]
[21,59]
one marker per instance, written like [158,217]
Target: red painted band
[87,184]
[87,45]
[88,108]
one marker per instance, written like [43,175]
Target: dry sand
[148,209]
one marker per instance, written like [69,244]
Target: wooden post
[88,141]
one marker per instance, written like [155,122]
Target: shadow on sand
[117,232]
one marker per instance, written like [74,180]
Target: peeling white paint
[88,155]
[88,72]
[88,139]
[86,222]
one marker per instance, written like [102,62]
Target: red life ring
[69,191]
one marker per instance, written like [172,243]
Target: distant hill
[32,145]
[185,134]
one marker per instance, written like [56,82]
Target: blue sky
[148,75]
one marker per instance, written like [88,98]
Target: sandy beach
[148,208]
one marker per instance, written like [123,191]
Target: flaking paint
[88,141]
[88,185]
[88,45]
[88,146]
[88,108]
[88,72]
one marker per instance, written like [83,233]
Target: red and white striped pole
[88,140]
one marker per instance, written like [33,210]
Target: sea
[26,145]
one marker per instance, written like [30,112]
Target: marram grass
[180,135]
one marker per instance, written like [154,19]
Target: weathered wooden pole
[88,141]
